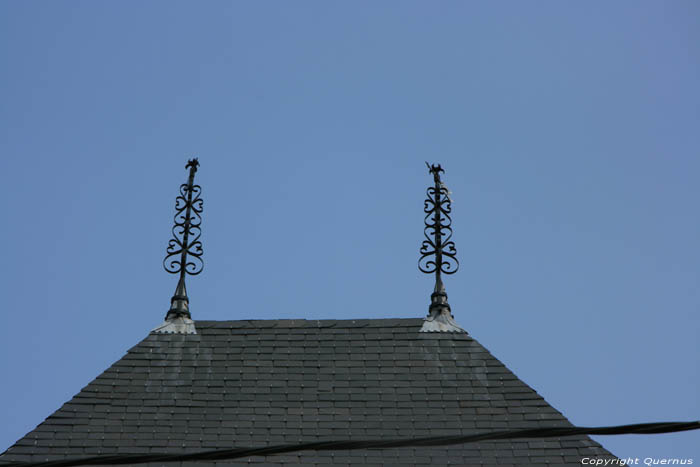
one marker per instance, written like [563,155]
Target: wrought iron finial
[438,252]
[184,252]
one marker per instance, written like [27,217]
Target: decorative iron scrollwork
[438,252]
[184,252]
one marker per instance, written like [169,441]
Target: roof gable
[254,383]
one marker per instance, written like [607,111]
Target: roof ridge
[321,323]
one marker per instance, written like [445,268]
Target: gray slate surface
[254,383]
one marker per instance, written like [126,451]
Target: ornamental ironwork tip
[438,252]
[184,251]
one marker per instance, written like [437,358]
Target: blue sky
[569,132]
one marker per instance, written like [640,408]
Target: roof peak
[344,379]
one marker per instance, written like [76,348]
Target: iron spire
[184,252]
[438,252]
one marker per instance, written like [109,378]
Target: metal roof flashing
[440,321]
[177,325]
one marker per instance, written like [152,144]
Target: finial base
[179,304]
[440,317]
[440,320]
[178,309]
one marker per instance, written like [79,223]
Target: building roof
[258,383]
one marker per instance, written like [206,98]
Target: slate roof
[254,383]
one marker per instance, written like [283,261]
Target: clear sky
[569,132]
